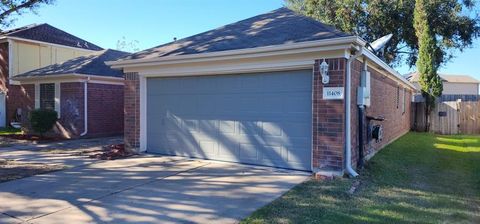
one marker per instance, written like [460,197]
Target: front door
[3,116]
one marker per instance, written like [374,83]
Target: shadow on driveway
[145,190]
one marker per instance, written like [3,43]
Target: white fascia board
[233,69]
[72,77]
[308,46]
[47,43]
[392,72]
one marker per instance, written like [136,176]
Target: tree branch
[17,8]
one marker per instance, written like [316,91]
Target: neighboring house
[44,67]
[455,87]
[252,92]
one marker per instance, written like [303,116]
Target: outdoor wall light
[324,72]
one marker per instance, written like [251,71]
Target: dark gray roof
[91,64]
[277,27]
[47,33]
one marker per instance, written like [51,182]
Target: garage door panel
[240,118]
[227,127]
[247,127]
[248,152]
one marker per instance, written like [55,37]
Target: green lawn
[10,131]
[420,178]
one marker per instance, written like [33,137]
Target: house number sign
[333,93]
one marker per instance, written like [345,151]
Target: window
[47,96]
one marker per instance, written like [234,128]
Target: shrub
[42,120]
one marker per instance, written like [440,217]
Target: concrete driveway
[145,190]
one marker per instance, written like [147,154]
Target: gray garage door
[262,119]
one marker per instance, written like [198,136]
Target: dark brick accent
[132,111]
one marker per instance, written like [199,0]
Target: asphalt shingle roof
[277,27]
[47,33]
[91,64]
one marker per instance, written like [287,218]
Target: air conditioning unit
[363,91]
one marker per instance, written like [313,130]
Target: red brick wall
[328,119]
[328,115]
[71,109]
[18,96]
[105,109]
[132,111]
[383,103]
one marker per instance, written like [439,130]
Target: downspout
[85,107]
[348,113]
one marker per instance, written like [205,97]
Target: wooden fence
[450,117]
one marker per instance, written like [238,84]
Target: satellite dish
[381,42]
[378,45]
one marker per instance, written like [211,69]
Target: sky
[155,22]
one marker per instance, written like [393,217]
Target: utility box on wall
[363,91]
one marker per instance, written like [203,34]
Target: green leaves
[43,121]
[9,7]
[452,22]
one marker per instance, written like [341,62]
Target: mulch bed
[112,152]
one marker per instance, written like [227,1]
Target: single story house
[455,87]
[86,93]
[278,89]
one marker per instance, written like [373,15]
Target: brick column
[132,111]
[328,119]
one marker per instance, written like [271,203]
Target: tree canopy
[11,7]
[453,24]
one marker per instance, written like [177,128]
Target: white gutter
[70,75]
[85,107]
[256,50]
[348,114]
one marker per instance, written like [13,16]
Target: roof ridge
[22,28]
[276,27]
[47,33]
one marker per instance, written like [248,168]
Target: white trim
[386,67]
[343,43]
[57,99]
[46,43]
[267,49]
[11,66]
[312,118]
[37,95]
[57,92]
[74,77]
[233,69]
[85,107]
[206,59]
[143,113]
[3,110]
[10,58]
